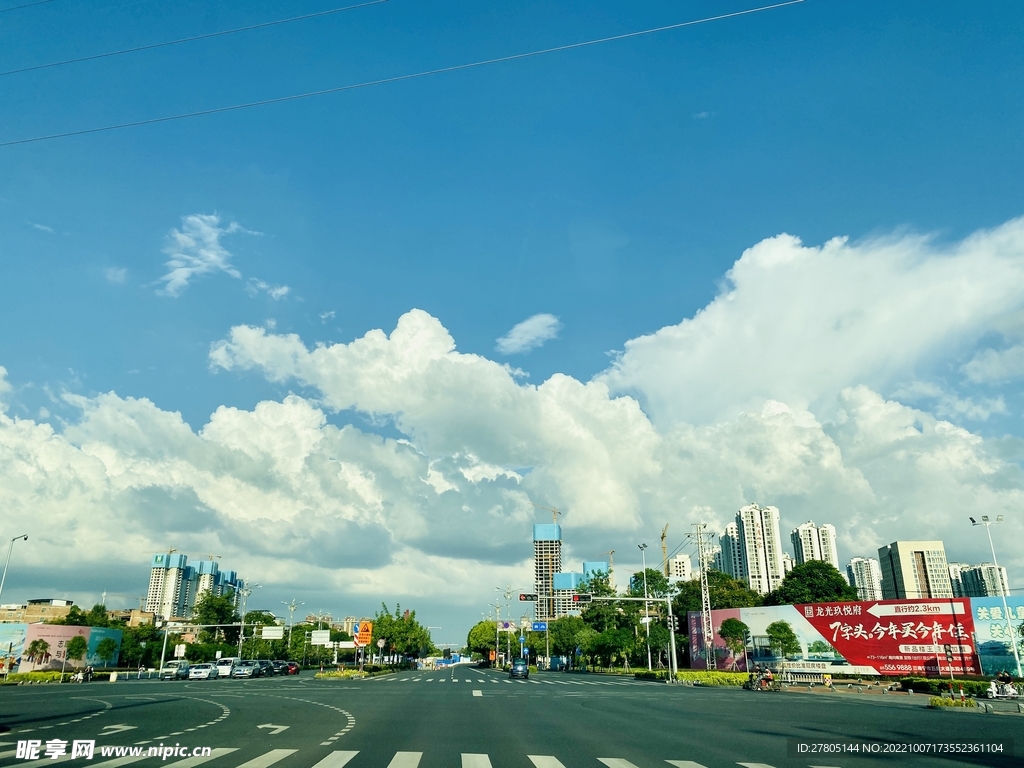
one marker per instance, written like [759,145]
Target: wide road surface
[471,718]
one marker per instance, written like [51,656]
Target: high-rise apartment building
[865,575]
[813,542]
[956,579]
[547,561]
[914,569]
[985,580]
[752,548]
[174,585]
[679,568]
[787,564]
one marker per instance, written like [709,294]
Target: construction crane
[611,555]
[554,512]
[664,549]
[211,557]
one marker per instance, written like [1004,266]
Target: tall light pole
[1002,587]
[9,550]
[647,616]
[245,592]
[292,606]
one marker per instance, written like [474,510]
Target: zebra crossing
[486,680]
[342,758]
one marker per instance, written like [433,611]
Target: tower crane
[554,512]
[664,549]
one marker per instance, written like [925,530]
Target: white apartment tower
[865,575]
[679,568]
[914,569]
[812,542]
[752,548]
[168,585]
[547,561]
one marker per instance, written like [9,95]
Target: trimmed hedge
[36,677]
[700,677]
[939,701]
[935,686]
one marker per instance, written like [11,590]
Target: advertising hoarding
[886,637]
[993,634]
[56,637]
[12,644]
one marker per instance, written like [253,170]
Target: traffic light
[582,598]
[525,598]
[674,623]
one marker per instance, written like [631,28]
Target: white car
[226,665]
[202,672]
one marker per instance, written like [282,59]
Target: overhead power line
[396,78]
[25,5]
[192,39]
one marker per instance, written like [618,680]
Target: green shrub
[935,686]
[700,677]
[35,677]
[939,701]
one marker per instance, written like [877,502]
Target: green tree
[402,633]
[781,638]
[76,617]
[813,582]
[657,584]
[481,638]
[141,645]
[725,592]
[603,614]
[106,650]
[565,635]
[734,632]
[37,651]
[214,609]
[74,650]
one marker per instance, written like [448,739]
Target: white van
[226,665]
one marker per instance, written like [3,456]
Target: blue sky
[612,187]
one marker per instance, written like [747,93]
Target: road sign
[179,651]
[363,632]
[320,637]
[345,644]
[527,598]
[219,653]
[493,656]
[582,598]
[275,633]
[522,639]
[540,626]
[380,643]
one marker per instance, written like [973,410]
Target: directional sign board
[540,626]
[320,636]
[275,633]
[522,639]
[179,651]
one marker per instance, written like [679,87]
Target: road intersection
[474,718]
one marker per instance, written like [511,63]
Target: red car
[291,669]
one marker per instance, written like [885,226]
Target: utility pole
[664,550]
[1002,587]
[292,606]
[245,592]
[647,613]
[699,535]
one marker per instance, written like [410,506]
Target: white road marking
[268,759]
[405,760]
[336,760]
[545,761]
[684,764]
[616,762]
[188,762]
[755,765]
[477,692]
[475,761]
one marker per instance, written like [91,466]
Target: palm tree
[38,650]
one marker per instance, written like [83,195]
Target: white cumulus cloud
[533,332]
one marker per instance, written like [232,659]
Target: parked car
[203,672]
[247,668]
[176,669]
[226,665]
[267,666]
[280,667]
[519,668]
[292,668]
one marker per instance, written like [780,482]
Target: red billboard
[899,636]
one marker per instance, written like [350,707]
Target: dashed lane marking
[684,764]
[475,761]
[477,692]
[336,760]
[616,762]
[545,761]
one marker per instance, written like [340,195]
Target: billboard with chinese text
[885,637]
[51,656]
[993,624]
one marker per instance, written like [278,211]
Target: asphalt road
[471,718]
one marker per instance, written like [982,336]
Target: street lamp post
[647,616]
[1002,587]
[292,606]
[8,562]
[245,592]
